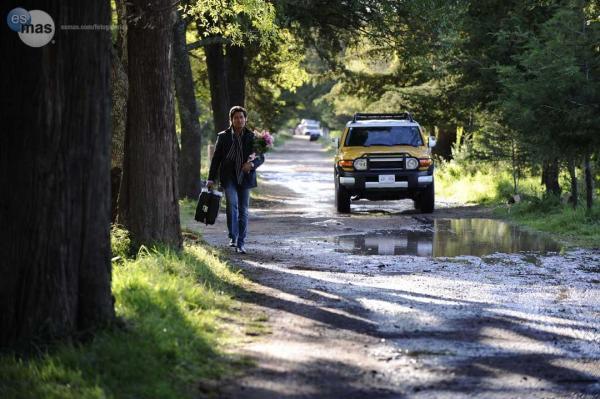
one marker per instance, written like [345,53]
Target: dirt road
[390,303]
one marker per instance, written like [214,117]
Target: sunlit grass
[173,306]
[579,227]
[480,184]
[472,183]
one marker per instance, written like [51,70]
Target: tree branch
[206,41]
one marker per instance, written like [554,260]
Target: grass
[491,184]
[573,227]
[177,310]
[479,183]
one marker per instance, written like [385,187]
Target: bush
[120,243]
[545,205]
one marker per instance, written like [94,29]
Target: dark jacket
[219,169]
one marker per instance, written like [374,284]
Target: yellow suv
[384,157]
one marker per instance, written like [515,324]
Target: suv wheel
[342,198]
[417,203]
[426,201]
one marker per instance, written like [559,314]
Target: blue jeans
[237,202]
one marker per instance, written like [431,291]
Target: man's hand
[247,167]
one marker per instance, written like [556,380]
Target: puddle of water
[447,238]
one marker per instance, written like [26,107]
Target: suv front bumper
[366,184]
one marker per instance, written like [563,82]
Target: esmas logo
[35,27]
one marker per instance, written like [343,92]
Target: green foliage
[274,69]
[307,100]
[120,243]
[491,34]
[393,57]
[544,96]
[173,306]
[239,21]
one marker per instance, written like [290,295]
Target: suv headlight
[411,163]
[360,164]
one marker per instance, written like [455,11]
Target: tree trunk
[550,177]
[219,94]
[189,159]
[515,167]
[148,201]
[235,64]
[119,89]
[573,175]
[121,43]
[446,138]
[55,162]
[589,182]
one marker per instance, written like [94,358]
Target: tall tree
[235,71]
[189,155]
[120,89]
[549,95]
[217,79]
[148,201]
[55,163]
[225,29]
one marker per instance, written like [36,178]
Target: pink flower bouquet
[263,141]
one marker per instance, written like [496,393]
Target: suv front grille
[394,163]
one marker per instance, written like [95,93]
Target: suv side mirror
[336,142]
[431,142]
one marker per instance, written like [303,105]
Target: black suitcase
[208,206]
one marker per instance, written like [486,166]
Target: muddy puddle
[446,238]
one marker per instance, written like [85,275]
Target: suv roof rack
[398,115]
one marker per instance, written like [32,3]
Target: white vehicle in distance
[309,127]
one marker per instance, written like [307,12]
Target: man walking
[234,164]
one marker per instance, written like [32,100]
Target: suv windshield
[384,135]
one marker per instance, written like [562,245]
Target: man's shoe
[241,249]
[232,243]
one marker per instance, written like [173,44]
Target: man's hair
[235,109]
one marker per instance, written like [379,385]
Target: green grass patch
[573,227]
[177,310]
[491,183]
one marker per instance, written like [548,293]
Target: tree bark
[119,90]
[121,43]
[148,201]
[219,94]
[589,182]
[574,199]
[550,177]
[515,167]
[235,64]
[55,162]
[189,159]
[446,138]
